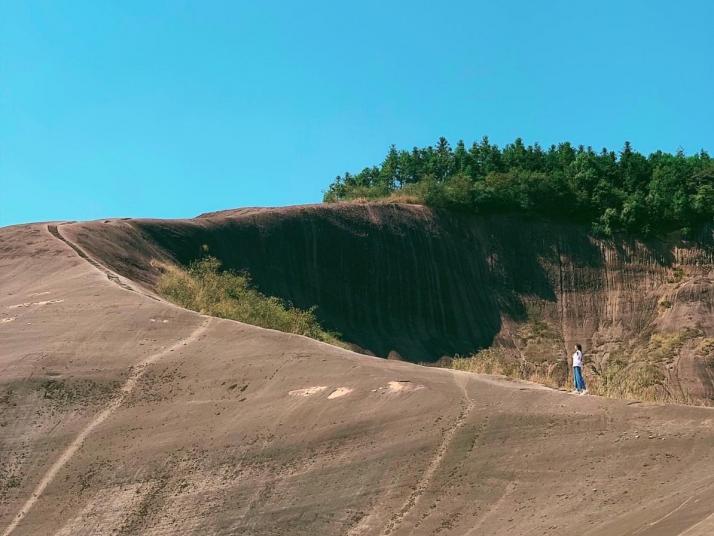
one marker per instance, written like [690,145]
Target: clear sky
[170,109]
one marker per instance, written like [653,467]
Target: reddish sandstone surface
[123,414]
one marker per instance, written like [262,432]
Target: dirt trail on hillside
[435,463]
[137,371]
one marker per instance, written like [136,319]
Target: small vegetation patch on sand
[205,288]
[50,394]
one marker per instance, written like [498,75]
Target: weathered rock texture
[406,281]
[122,414]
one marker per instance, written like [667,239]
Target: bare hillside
[123,414]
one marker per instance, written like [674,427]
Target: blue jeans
[578,377]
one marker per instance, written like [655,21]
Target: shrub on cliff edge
[205,288]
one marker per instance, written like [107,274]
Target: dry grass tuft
[640,372]
[508,362]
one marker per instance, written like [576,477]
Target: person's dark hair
[579,347]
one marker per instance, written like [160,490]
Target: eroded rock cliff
[409,282]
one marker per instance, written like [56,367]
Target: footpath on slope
[409,495]
[135,374]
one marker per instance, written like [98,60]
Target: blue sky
[170,109]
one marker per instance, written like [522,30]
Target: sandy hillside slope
[122,414]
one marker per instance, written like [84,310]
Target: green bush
[205,288]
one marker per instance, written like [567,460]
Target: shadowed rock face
[424,284]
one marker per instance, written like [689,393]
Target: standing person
[578,370]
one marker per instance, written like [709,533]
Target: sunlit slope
[122,414]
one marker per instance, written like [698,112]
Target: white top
[578,358]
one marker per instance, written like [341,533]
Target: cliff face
[406,281]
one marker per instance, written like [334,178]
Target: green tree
[613,192]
